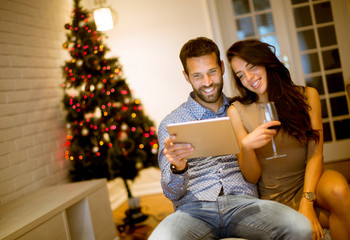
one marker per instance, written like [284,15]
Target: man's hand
[176,153]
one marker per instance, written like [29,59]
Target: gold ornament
[139,165]
[123,136]
[124,127]
[79,63]
[84,131]
[106,137]
[99,86]
[117,104]
[154,150]
[65,45]
[81,24]
[95,149]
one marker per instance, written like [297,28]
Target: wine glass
[267,113]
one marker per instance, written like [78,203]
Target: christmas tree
[108,133]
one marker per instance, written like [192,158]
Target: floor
[155,207]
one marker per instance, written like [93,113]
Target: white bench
[79,210]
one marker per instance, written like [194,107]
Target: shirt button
[220,180]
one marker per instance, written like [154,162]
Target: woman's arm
[248,162]
[314,162]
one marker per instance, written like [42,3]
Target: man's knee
[302,231]
[298,227]
[291,224]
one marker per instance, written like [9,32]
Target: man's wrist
[175,171]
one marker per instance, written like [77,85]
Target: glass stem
[273,147]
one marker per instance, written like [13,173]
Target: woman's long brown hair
[290,99]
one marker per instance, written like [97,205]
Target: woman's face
[252,77]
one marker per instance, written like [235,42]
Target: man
[211,198]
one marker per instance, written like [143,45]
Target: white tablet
[210,137]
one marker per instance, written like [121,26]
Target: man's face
[205,76]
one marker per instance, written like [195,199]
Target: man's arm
[174,185]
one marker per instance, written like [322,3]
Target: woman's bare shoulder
[312,94]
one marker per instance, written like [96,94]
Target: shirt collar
[199,111]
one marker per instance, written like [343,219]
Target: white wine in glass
[267,113]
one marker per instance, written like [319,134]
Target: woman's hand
[307,209]
[260,136]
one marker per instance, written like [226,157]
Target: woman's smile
[255,85]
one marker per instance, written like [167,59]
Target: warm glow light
[103,19]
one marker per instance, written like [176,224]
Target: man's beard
[211,98]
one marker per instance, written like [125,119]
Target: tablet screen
[210,137]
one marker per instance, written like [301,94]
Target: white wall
[147,39]
[31,120]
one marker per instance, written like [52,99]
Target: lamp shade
[103,19]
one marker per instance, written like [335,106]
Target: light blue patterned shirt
[205,176]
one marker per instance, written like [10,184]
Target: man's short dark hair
[198,47]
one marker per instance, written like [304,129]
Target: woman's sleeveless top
[282,179]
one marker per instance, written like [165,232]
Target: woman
[297,179]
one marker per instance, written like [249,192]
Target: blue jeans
[233,216]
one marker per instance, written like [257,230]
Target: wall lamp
[103,16]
